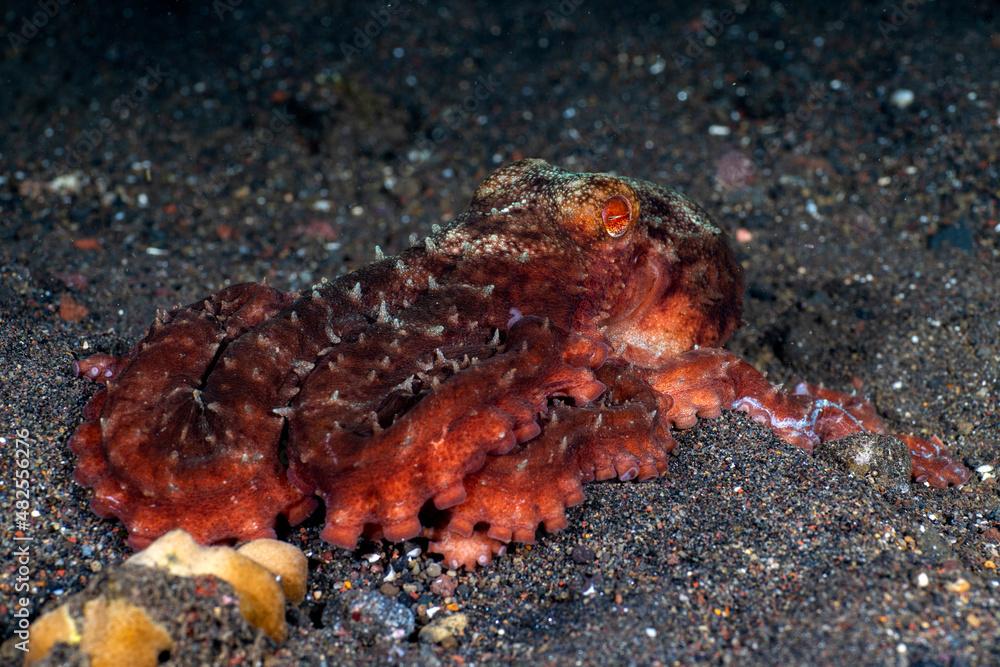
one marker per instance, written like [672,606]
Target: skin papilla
[551,335]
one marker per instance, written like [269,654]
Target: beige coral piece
[262,600]
[285,561]
[49,629]
[117,632]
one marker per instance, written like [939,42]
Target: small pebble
[882,460]
[444,630]
[444,586]
[582,554]
[958,586]
[902,98]
[370,616]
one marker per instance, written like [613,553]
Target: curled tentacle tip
[527,431]
[586,393]
[629,474]
[556,523]
[450,497]
[403,530]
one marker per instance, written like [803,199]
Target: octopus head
[658,276]
[684,289]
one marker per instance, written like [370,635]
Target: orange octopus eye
[617,215]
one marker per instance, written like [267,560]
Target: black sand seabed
[151,155]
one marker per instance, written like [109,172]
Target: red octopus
[551,335]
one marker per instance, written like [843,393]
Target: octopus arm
[930,458]
[384,478]
[100,368]
[368,378]
[466,551]
[512,495]
[702,383]
[183,436]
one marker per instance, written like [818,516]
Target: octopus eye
[617,215]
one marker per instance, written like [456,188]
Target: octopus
[555,333]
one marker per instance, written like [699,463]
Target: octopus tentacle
[930,458]
[160,448]
[468,551]
[444,438]
[704,382]
[577,445]
[932,463]
[100,368]
[385,367]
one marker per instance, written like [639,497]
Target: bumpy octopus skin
[551,335]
